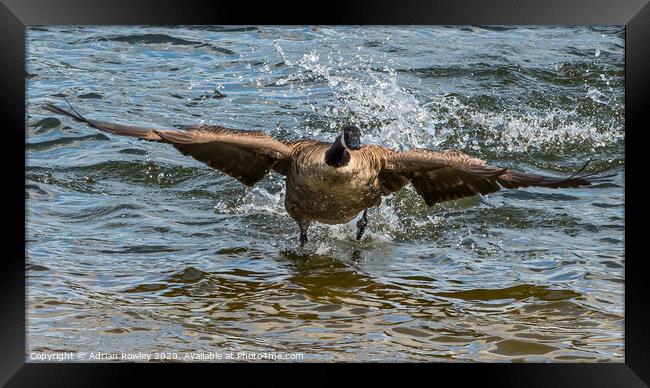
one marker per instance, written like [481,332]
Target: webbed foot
[361,224]
[304,227]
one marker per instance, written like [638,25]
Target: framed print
[432,187]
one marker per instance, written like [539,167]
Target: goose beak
[351,138]
[353,143]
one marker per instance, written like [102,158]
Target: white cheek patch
[343,142]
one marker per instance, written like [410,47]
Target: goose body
[333,182]
[316,191]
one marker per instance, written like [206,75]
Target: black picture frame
[15,15]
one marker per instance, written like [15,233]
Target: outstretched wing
[440,176]
[245,155]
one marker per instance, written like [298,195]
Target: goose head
[338,154]
[351,137]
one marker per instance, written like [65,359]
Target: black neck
[337,155]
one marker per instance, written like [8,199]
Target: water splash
[373,100]
[395,116]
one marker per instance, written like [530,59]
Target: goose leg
[304,226]
[361,224]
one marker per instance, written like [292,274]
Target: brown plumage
[333,182]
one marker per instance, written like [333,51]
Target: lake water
[132,247]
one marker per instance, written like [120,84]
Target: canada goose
[333,182]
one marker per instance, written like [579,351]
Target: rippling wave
[133,247]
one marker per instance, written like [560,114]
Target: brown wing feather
[440,176]
[245,155]
[390,180]
[298,145]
